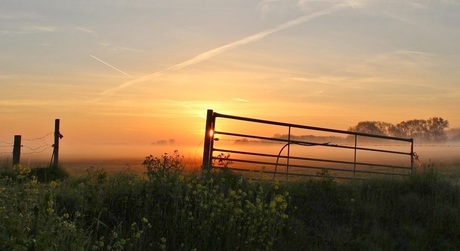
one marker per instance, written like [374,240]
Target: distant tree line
[164,142]
[422,130]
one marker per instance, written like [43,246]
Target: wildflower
[273,204]
[54,184]
[163,243]
[279,198]
[50,209]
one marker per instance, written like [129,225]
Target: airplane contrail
[214,52]
[109,65]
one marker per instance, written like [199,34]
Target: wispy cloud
[38,28]
[177,102]
[29,102]
[219,50]
[29,29]
[109,65]
[396,60]
[117,49]
[265,6]
[85,30]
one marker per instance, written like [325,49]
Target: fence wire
[32,145]
[39,138]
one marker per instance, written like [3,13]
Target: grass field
[162,208]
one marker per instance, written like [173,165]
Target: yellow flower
[279,198]
[49,210]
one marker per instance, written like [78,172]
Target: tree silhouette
[423,130]
[374,127]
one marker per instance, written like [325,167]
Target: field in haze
[445,158]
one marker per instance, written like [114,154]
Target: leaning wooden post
[17,150]
[208,139]
[57,136]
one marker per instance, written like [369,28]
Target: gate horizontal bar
[305,143]
[309,127]
[309,166]
[309,159]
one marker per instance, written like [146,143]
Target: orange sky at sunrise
[124,76]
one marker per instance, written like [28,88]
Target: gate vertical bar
[17,150]
[412,156]
[208,139]
[288,154]
[354,157]
[57,136]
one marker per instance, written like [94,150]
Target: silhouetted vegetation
[168,210]
[422,130]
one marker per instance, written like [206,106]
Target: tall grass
[166,209]
[421,212]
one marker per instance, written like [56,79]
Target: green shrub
[49,173]
[29,217]
[166,209]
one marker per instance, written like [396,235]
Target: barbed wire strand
[36,148]
[33,139]
[37,151]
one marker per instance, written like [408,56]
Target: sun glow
[211,133]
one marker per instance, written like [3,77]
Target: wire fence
[30,146]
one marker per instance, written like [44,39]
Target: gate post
[208,139]
[17,150]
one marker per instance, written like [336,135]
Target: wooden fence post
[57,137]
[17,150]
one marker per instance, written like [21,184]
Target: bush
[211,211]
[29,217]
[164,209]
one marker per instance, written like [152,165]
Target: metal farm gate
[242,145]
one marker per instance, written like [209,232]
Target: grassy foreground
[167,210]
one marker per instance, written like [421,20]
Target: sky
[125,76]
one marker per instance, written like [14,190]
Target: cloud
[38,28]
[29,29]
[399,60]
[29,102]
[307,6]
[118,49]
[111,66]
[219,50]
[265,7]
[240,100]
[86,30]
